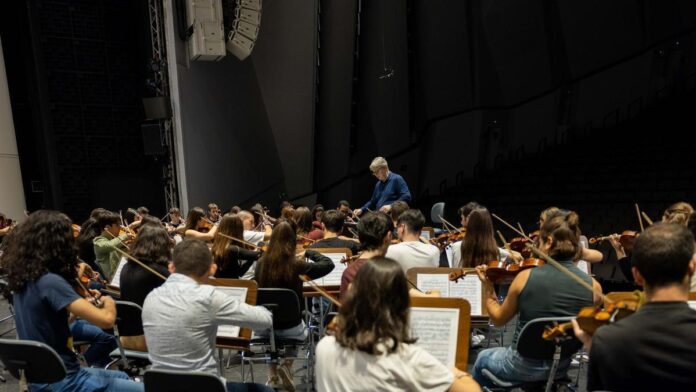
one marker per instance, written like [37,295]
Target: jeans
[101,343]
[92,380]
[247,387]
[508,365]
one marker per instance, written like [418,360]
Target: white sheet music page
[437,330]
[334,277]
[231,331]
[470,288]
[692,304]
[116,281]
[429,282]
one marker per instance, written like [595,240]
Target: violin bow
[640,219]
[647,218]
[128,256]
[229,237]
[119,240]
[321,291]
[555,263]
[449,224]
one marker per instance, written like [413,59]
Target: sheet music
[116,280]
[692,304]
[231,331]
[469,288]
[334,277]
[437,330]
[425,234]
[429,282]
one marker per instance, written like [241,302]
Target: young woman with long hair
[279,267]
[537,292]
[478,246]
[305,228]
[152,247]
[373,340]
[195,222]
[40,260]
[233,259]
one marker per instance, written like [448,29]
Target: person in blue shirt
[41,261]
[391,187]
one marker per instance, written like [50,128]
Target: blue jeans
[247,387]
[92,380]
[506,364]
[101,343]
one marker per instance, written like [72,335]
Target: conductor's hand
[357,212]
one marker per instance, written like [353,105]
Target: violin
[349,260]
[445,239]
[498,271]
[626,239]
[6,222]
[519,244]
[590,318]
[205,225]
[81,289]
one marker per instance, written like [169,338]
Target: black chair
[128,323]
[285,306]
[532,345]
[31,362]
[179,381]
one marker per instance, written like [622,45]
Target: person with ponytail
[537,292]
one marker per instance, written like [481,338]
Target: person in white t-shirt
[251,235]
[411,252]
[372,349]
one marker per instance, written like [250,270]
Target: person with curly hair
[40,261]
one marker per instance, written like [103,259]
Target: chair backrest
[531,345]
[437,211]
[285,306]
[178,381]
[41,363]
[129,318]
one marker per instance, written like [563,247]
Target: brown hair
[398,208]
[478,246]
[192,258]
[193,217]
[303,219]
[376,310]
[287,212]
[279,267]
[678,213]
[563,228]
[230,225]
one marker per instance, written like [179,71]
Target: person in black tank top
[538,292]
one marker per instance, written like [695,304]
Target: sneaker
[286,377]
[273,382]
[477,340]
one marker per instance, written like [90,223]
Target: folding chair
[31,362]
[129,316]
[531,345]
[285,306]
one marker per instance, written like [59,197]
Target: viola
[590,318]
[205,225]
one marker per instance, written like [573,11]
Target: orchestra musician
[332,222]
[153,248]
[478,246]
[197,226]
[536,292]
[40,261]
[372,348]
[655,348]
[213,213]
[375,234]
[411,252]
[250,234]
[105,243]
[181,317]
[233,259]
[305,228]
[390,187]
[279,267]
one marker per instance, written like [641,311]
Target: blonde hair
[678,213]
[378,163]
